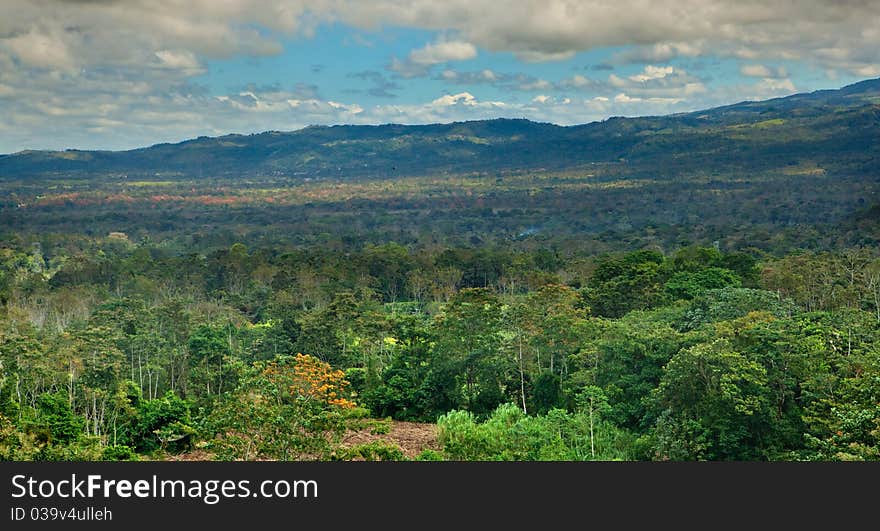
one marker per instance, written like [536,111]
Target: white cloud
[41,50]
[52,33]
[352,108]
[419,62]
[663,29]
[463,98]
[501,80]
[652,72]
[616,81]
[660,52]
[442,52]
[538,84]
[532,56]
[692,88]
[759,70]
[755,71]
[180,60]
[578,81]
[777,85]
[469,78]
[664,82]
[446,108]
[623,98]
[872,70]
[544,101]
[658,83]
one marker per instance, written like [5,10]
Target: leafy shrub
[372,451]
[511,435]
[119,453]
[428,455]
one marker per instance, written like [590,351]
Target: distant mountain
[834,129]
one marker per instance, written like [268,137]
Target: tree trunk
[522,378]
[592,445]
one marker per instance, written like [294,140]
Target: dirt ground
[411,437]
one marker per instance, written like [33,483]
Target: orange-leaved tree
[310,379]
[290,408]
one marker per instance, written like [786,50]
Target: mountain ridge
[822,124]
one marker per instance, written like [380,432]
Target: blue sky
[119,74]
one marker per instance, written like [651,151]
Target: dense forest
[661,308]
[136,350]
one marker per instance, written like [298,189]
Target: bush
[428,455]
[511,435]
[56,421]
[159,422]
[119,452]
[372,451]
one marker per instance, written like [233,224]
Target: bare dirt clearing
[411,437]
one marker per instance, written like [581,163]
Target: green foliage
[630,282]
[375,426]
[275,414]
[210,364]
[372,451]
[428,455]
[539,325]
[731,303]
[695,259]
[510,435]
[56,422]
[841,385]
[628,363]
[84,448]
[714,404]
[689,284]
[162,423]
[119,453]
[469,345]
[16,445]
[546,393]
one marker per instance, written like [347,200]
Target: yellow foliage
[313,379]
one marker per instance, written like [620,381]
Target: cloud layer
[72,34]
[120,73]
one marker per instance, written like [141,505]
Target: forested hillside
[830,128]
[689,287]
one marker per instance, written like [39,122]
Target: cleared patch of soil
[411,437]
[194,455]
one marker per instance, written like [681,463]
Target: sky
[122,74]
